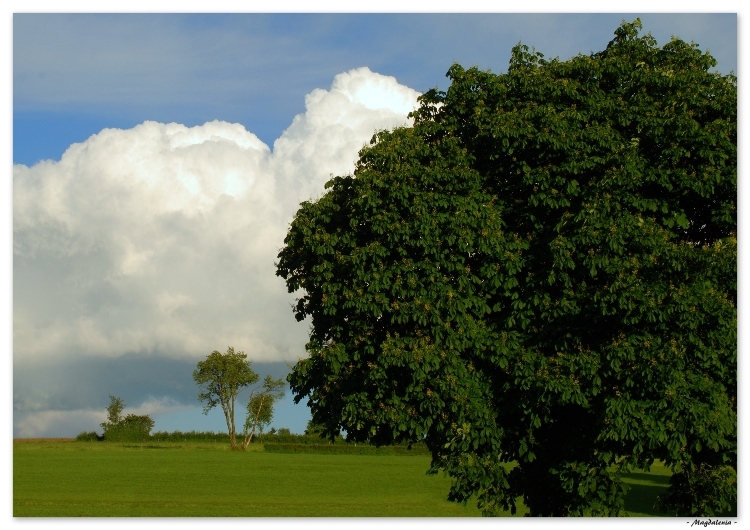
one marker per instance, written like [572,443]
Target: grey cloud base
[64,399]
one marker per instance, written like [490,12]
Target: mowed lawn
[194,479]
[71,479]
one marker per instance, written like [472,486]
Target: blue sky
[76,74]
[122,283]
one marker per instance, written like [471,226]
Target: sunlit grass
[69,479]
[197,479]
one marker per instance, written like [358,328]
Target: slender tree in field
[114,410]
[260,407]
[541,272]
[221,377]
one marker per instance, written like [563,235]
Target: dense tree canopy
[538,279]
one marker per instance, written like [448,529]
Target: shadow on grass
[641,499]
[152,446]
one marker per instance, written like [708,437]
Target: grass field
[71,479]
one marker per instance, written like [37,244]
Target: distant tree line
[312,436]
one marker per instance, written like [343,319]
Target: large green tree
[222,376]
[538,279]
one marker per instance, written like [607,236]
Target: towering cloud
[161,239]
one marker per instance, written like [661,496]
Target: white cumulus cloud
[162,238]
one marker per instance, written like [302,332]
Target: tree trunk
[229,416]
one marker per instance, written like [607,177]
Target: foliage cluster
[90,436]
[541,270]
[131,428]
[708,490]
